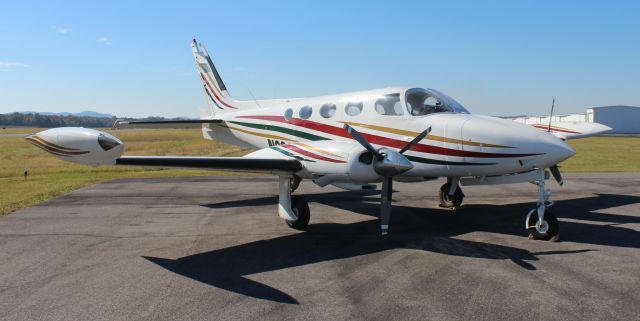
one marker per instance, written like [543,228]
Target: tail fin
[216,94]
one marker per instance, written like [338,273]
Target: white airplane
[351,141]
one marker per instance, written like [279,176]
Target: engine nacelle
[332,161]
[79,145]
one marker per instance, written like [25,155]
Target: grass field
[50,177]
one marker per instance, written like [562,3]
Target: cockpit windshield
[422,102]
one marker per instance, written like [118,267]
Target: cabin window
[305,112]
[353,109]
[389,105]
[328,110]
[288,114]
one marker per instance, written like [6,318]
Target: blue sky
[133,58]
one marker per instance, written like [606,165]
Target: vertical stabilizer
[215,91]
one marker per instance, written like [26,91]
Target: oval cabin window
[288,114]
[328,110]
[305,112]
[353,109]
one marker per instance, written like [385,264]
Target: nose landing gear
[451,198]
[544,225]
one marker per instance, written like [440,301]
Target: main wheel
[549,230]
[295,183]
[300,207]
[450,201]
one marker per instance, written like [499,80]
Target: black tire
[453,201]
[553,231]
[295,183]
[301,208]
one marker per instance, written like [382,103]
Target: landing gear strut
[294,210]
[543,225]
[450,197]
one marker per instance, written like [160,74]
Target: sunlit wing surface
[572,130]
[187,123]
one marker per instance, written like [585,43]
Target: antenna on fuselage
[254,97]
[551,114]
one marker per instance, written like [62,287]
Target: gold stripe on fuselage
[412,134]
[319,150]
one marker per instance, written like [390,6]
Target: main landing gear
[451,195]
[300,207]
[294,210]
[543,225]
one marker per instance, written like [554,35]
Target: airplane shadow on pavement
[426,229]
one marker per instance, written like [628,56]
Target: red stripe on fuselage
[214,91]
[384,141]
[310,154]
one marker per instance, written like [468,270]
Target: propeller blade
[385,205]
[416,140]
[358,137]
[555,171]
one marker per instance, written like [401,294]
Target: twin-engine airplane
[351,141]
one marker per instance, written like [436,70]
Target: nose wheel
[540,222]
[450,201]
[546,230]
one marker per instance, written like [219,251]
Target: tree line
[51,121]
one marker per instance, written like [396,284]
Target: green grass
[604,154]
[50,177]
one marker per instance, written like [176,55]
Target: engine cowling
[331,161]
[79,145]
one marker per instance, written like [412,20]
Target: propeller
[555,171]
[387,163]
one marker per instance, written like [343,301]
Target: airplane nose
[555,149]
[513,144]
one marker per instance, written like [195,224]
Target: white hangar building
[623,119]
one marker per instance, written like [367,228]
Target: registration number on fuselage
[273,142]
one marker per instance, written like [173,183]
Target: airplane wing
[239,164]
[187,123]
[573,130]
[91,147]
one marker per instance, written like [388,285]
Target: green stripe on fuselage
[440,162]
[285,152]
[283,130]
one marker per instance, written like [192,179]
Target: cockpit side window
[420,103]
[389,105]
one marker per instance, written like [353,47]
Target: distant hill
[50,120]
[86,113]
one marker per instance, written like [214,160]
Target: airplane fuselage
[459,144]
